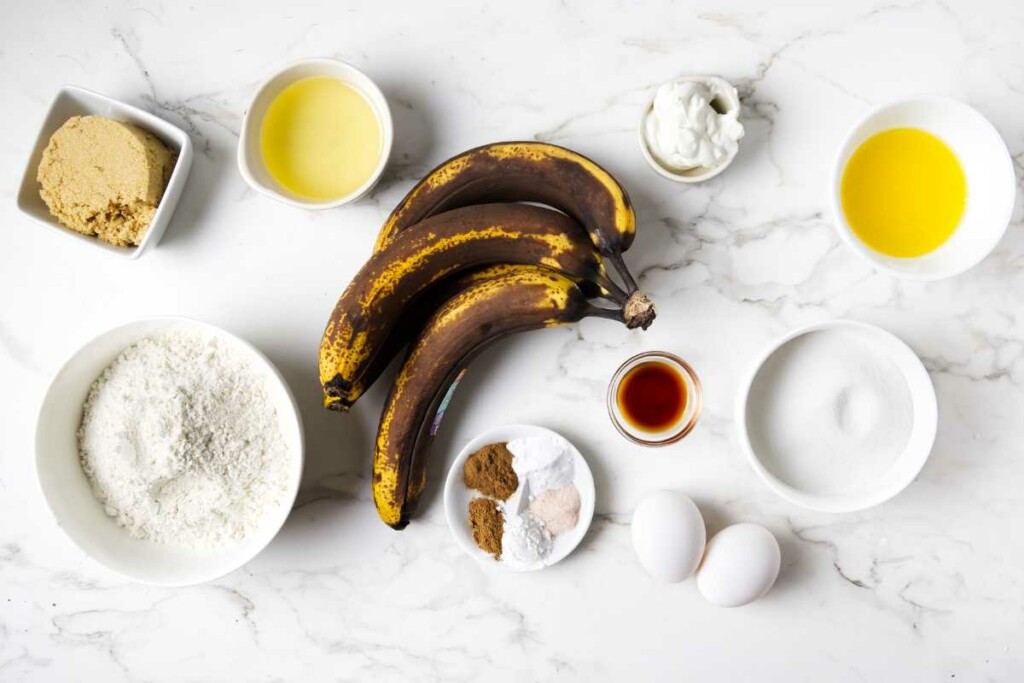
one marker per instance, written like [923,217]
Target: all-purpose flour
[181,443]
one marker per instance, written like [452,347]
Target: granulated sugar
[181,443]
[829,412]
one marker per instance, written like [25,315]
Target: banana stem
[609,313]
[623,271]
[612,291]
[638,311]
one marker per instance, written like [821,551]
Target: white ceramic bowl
[699,174]
[457,497]
[906,466]
[250,158]
[75,101]
[991,184]
[69,495]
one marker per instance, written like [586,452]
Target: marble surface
[926,587]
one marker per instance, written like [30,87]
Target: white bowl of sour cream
[690,130]
[838,416]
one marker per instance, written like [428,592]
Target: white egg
[668,535]
[740,565]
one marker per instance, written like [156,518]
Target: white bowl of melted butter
[317,135]
[923,188]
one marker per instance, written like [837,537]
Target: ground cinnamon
[489,471]
[487,523]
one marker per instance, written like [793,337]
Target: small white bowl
[250,158]
[81,516]
[457,497]
[907,465]
[731,102]
[991,184]
[74,101]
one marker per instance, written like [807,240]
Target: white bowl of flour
[838,416]
[170,451]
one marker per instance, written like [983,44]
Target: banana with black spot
[497,305]
[435,248]
[526,171]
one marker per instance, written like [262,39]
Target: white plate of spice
[519,498]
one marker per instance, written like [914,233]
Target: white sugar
[829,413]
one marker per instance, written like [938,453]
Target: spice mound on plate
[487,522]
[558,509]
[525,542]
[104,178]
[530,499]
[489,471]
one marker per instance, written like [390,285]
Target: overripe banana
[521,298]
[527,172]
[415,316]
[445,244]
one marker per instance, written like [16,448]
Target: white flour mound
[181,443]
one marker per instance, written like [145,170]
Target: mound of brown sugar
[105,178]
[489,471]
[487,523]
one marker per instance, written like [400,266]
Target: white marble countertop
[926,587]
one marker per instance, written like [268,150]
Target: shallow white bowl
[903,470]
[250,158]
[69,495]
[457,497]
[700,173]
[991,184]
[75,101]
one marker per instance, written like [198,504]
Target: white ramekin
[74,101]
[250,158]
[991,184]
[731,102]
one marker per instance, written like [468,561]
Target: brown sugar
[489,471]
[105,178]
[487,523]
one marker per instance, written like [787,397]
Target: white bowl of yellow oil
[316,135]
[923,188]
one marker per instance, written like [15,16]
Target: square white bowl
[74,101]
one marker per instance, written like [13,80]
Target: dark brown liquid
[652,396]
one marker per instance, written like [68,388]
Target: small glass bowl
[691,412]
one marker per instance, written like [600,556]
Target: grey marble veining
[926,587]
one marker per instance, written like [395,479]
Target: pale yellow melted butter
[320,139]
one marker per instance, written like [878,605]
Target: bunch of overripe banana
[461,263]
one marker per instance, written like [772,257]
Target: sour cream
[683,130]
